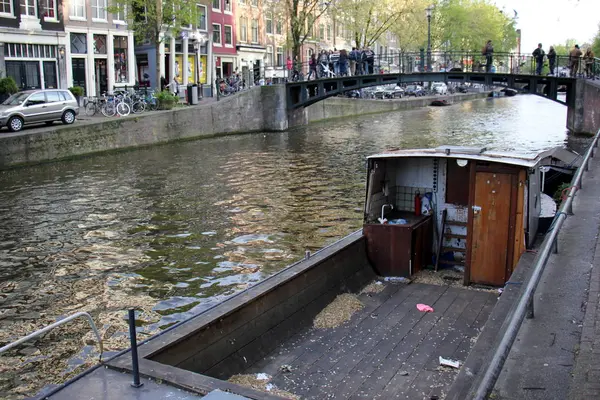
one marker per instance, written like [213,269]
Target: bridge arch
[303,94]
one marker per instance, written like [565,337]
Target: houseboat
[464,208]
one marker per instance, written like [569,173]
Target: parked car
[415,90]
[35,106]
[439,88]
[353,94]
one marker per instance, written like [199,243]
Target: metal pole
[134,354]
[429,43]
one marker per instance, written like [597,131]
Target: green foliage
[8,86]
[558,194]
[596,43]
[166,96]
[76,90]
[564,49]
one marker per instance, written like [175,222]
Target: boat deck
[388,349]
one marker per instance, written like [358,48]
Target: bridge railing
[443,61]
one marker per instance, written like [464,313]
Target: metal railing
[54,325]
[526,301]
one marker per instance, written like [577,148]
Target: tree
[596,43]
[564,49]
[156,20]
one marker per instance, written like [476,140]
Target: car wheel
[15,124]
[68,117]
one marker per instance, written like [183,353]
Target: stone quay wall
[259,109]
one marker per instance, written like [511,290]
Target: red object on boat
[417,204]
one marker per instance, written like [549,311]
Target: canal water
[173,229]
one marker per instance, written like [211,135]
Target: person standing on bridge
[574,56]
[588,59]
[488,52]
[312,67]
[539,54]
[551,59]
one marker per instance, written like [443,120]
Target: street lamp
[428,12]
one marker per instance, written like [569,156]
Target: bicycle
[92,106]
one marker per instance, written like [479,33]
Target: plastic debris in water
[261,376]
[424,308]
[449,363]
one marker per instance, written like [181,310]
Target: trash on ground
[373,287]
[403,373]
[449,363]
[396,279]
[253,382]
[424,308]
[338,311]
[261,376]
[286,368]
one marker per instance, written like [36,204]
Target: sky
[553,21]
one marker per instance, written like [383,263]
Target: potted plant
[77,92]
[166,100]
[8,86]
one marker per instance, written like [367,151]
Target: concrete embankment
[258,109]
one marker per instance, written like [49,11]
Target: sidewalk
[557,354]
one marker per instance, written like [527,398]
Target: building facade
[32,43]
[224,38]
[100,47]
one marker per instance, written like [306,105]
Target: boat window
[457,183]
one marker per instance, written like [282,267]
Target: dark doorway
[50,81]
[78,69]
[25,73]
[256,71]
[101,77]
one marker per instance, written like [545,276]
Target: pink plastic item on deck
[424,308]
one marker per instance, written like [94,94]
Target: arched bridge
[305,93]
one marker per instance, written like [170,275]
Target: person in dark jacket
[488,52]
[551,59]
[343,63]
[539,54]
[312,67]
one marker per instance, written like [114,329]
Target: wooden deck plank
[309,373]
[404,348]
[314,341]
[322,378]
[400,384]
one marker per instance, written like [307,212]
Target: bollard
[530,308]
[307,255]
[555,246]
[134,354]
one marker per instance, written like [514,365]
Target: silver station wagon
[35,106]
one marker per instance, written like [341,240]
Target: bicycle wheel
[123,109]
[90,109]
[108,109]
[152,105]
[138,107]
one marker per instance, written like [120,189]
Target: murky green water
[187,224]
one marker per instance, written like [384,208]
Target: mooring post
[134,354]
[530,308]
[307,255]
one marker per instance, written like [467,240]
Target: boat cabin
[465,208]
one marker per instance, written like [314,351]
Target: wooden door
[491,217]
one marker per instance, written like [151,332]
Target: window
[228,35]
[120,15]
[321,31]
[243,29]
[78,43]
[228,5]
[216,34]
[279,27]
[254,3]
[49,9]
[254,31]
[65,96]
[78,8]
[241,1]
[36,98]
[53,97]
[6,7]
[216,4]
[99,9]
[269,24]
[310,29]
[28,7]
[99,44]
[201,17]
[269,56]
[120,50]
[328,32]
[280,56]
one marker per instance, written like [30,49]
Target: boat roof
[525,159]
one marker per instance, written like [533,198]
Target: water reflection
[180,227]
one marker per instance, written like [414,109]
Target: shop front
[32,66]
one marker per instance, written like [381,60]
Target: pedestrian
[352,58]
[370,61]
[343,63]
[538,55]
[551,59]
[312,67]
[163,83]
[574,56]
[323,64]
[588,59]
[289,66]
[488,52]
[334,61]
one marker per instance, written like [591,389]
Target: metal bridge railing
[526,301]
[54,325]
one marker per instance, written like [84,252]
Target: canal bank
[255,110]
